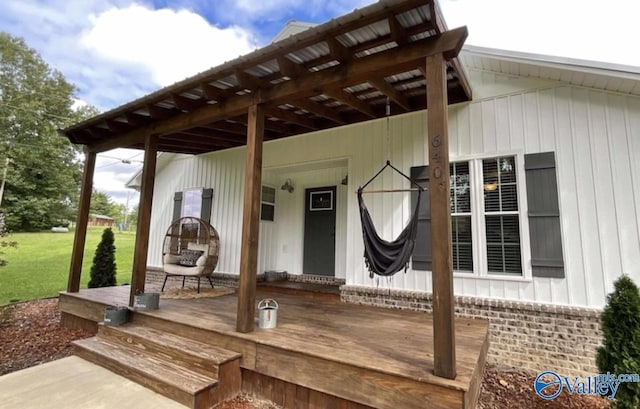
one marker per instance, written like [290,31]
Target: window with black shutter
[193,203]
[486,220]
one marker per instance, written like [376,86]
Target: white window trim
[184,201]
[478,224]
[275,193]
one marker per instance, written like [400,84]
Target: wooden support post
[250,221]
[139,273]
[443,302]
[82,220]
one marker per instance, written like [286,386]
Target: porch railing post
[250,221]
[82,220]
[139,273]
[443,302]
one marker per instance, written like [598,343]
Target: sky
[115,51]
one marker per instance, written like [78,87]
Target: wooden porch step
[308,290]
[199,357]
[175,382]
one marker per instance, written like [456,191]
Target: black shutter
[177,206]
[207,201]
[544,215]
[421,259]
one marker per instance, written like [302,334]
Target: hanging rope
[385,258]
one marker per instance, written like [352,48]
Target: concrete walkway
[73,383]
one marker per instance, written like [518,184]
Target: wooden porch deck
[323,353]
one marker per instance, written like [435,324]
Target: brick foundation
[155,277]
[525,335]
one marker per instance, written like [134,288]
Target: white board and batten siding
[595,135]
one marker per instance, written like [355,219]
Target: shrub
[103,269]
[620,351]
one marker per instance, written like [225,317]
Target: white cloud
[252,9]
[584,29]
[112,172]
[170,45]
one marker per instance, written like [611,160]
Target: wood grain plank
[393,345]
[71,321]
[245,320]
[246,348]
[290,393]
[443,301]
[302,398]
[278,395]
[138,277]
[370,388]
[195,355]
[82,220]
[87,309]
[179,384]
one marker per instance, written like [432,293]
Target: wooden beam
[200,143]
[136,119]
[117,126]
[348,98]
[319,109]
[97,132]
[362,69]
[139,273]
[398,33]
[248,81]
[157,112]
[207,114]
[290,116]
[338,51]
[237,128]
[356,72]
[186,104]
[387,89]
[289,68]
[245,320]
[444,343]
[213,93]
[82,220]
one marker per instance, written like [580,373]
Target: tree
[620,350]
[102,204]
[103,269]
[133,217]
[3,242]
[44,170]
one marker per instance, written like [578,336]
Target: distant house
[101,220]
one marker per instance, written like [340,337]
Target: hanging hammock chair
[191,248]
[385,258]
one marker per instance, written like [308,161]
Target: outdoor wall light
[288,186]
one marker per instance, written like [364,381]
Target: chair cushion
[198,246]
[170,259]
[189,258]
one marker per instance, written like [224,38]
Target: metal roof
[337,73]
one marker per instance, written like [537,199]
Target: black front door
[320,231]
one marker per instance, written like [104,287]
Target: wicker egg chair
[191,248]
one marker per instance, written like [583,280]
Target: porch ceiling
[337,73]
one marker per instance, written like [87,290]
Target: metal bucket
[267,313]
[114,315]
[146,301]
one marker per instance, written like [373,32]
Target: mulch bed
[30,334]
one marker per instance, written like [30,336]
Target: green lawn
[39,266]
